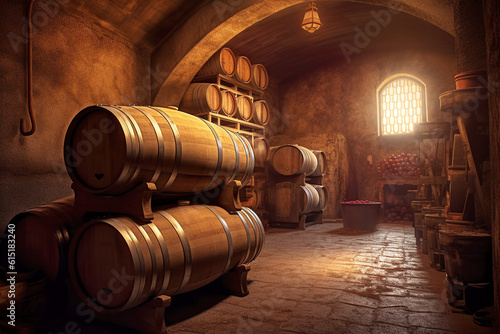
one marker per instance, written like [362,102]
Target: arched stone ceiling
[185,51]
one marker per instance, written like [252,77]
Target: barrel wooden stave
[178,152]
[201,98]
[192,246]
[222,62]
[260,77]
[292,160]
[42,237]
[261,113]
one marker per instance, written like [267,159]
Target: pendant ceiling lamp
[311,21]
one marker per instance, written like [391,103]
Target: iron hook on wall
[29,76]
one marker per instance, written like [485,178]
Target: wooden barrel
[243,69]
[467,254]
[261,150]
[201,98]
[42,238]
[222,62]
[261,113]
[293,160]
[110,150]
[229,105]
[320,169]
[245,107]
[260,78]
[289,198]
[118,263]
[323,197]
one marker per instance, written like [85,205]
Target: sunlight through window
[401,104]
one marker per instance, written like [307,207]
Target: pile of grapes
[404,164]
[398,213]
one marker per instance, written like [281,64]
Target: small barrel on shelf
[222,62]
[287,199]
[320,169]
[42,238]
[111,149]
[261,112]
[261,150]
[243,71]
[182,249]
[201,98]
[293,160]
[260,77]
[323,197]
[245,107]
[229,105]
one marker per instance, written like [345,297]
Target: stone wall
[340,99]
[75,64]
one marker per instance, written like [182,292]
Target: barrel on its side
[182,249]
[292,160]
[229,104]
[261,151]
[320,169]
[261,113]
[243,71]
[222,62]
[323,197]
[111,149]
[245,107]
[287,199]
[201,98]
[42,237]
[260,77]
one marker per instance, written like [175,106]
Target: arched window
[401,104]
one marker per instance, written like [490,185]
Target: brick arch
[179,58]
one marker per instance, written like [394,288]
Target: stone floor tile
[392,315]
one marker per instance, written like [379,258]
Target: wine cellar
[250,166]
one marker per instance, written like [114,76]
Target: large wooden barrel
[243,69]
[117,263]
[245,107]
[201,98]
[229,104]
[261,113]
[323,197]
[321,157]
[222,62]
[260,78]
[42,238]
[261,150]
[293,160]
[111,149]
[287,198]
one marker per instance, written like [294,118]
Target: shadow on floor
[190,304]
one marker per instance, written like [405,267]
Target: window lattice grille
[402,104]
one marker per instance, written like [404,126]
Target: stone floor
[328,280]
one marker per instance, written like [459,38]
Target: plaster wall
[75,64]
[340,99]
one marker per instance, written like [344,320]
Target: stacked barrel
[231,86]
[291,199]
[111,150]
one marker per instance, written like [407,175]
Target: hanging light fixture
[311,21]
